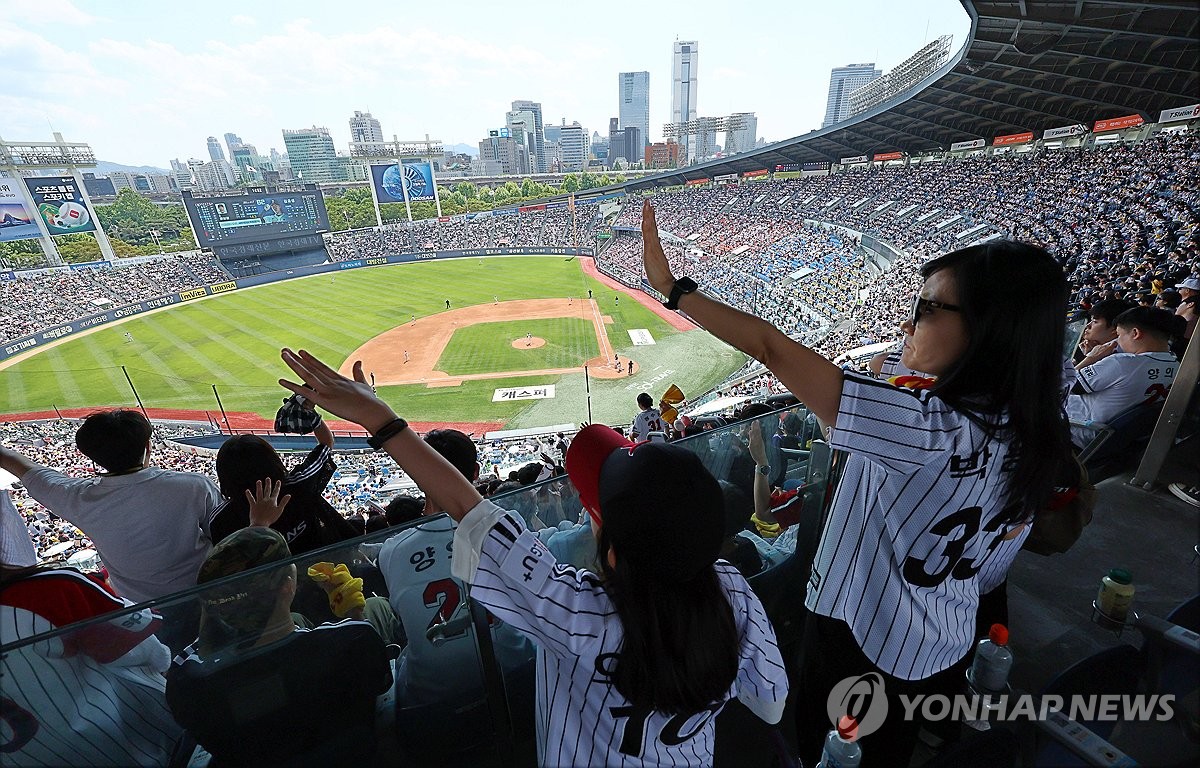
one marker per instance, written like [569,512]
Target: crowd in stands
[36,300]
[359,480]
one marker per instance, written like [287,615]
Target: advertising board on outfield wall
[854,160]
[1117,123]
[46,335]
[1179,113]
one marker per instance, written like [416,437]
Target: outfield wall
[64,330]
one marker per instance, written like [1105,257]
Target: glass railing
[259,675]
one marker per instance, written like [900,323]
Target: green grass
[233,340]
[487,347]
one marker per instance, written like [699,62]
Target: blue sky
[144,82]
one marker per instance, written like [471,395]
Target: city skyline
[150,84]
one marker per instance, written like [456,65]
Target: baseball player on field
[941,478]
[613,686]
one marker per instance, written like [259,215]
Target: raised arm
[353,400]
[15,463]
[808,375]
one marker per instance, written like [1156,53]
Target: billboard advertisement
[854,160]
[1117,123]
[1064,132]
[16,220]
[1179,113]
[59,201]
[390,182]
[1013,138]
[972,144]
[883,156]
[246,218]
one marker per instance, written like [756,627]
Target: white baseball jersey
[914,527]
[93,697]
[581,717]
[649,420]
[1117,383]
[416,567]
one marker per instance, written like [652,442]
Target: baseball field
[513,322]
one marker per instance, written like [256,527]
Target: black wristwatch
[387,432]
[682,286]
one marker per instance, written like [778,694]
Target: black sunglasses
[922,307]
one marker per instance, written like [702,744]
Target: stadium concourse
[806,254]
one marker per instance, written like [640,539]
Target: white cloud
[57,13]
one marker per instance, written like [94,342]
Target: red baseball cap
[656,501]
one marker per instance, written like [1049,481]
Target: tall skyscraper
[684,65]
[232,140]
[843,80]
[312,155]
[363,127]
[575,147]
[633,97]
[214,149]
[534,110]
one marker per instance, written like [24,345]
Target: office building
[624,144]
[231,140]
[533,116]
[573,140]
[503,154]
[98,187]
[312,155]
[159,183]
[684,65]
[843,81]
[662,155]
[214,149]
[121,180]
[522,128]
[742,134]
[181,174]
[633,100]
[364,127]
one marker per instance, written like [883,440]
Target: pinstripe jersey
[581,717]
[93,697]
[914,531]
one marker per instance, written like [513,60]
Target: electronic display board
[257,216]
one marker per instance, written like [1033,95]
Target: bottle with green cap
[1116,595]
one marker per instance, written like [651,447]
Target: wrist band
[387,432]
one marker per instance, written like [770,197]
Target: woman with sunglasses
[940,483]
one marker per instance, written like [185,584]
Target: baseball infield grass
[232,341]
[487,347]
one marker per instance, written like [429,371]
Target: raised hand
[351,399]
[265,504]
[658,271]
[758,449]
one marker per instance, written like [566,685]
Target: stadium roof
[1026,66]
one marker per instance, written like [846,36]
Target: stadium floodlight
[903,77]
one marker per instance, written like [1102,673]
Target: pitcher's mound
[524,343]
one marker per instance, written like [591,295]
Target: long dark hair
[243,459]
[1009,380]
[680,650]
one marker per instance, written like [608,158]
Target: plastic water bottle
[841,745]
[993,660]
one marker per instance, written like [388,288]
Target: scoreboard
[230,219]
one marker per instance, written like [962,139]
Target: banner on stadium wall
[16,220]
[1013,138]
[391,181]
[972,144]
[1117,123]
[853,160]
[883,156]
[529,208]
[1179,113]
[1065,131]
[59,201]
[755,174]
[90,265]
[505,212]
[698,182]
[7,275]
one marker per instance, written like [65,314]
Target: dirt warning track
[408,353]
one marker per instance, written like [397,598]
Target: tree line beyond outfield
[130,219]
